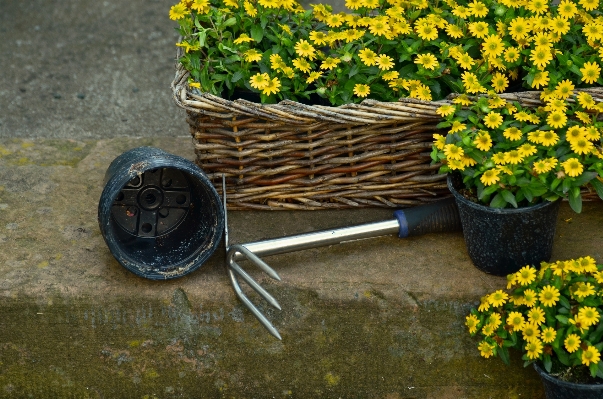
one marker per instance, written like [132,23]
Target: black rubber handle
[438,217]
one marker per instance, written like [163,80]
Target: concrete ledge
[380,317]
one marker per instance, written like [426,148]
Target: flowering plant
[552,315]
[509,155]
[387,49]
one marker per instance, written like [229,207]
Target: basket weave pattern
[295,156]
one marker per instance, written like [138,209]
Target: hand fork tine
[234,267]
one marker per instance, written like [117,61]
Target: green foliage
[551,313]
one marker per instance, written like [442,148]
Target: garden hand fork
[440,216]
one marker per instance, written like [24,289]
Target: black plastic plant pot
[502,241]
[159,214]
[555,388]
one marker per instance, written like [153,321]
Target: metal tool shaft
[320,238]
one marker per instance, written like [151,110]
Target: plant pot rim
[474,205]
[543,374]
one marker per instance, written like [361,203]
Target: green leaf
[575,199]
[548,363]
[202,38]
[488,191]
[562,319]
[594,368]
[563,356]
[236,76]
[585,178]
[509,197]
[354,70]
[564,302]
[230,22]
[598,187]
[257,33]
[504,354]
[498,201]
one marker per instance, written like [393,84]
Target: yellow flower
[498,159]
[567,9]
[367,56]
[531,332]
[513,133]
[572,343]
[556,119]
[252,55]
[526,149]
[493,120]
[499,82]
[305,49]
[428,60]
[195,84]
[515,320]
[525,275]
[511,54]
[588,315]
[302,64]
[318,37]
[513,157]
[590,72]
[537,6]
[461,11]
[439,141]
[362,90]
[574,133]
[445,110]
[231,3]
[454,31]
[385,62]
[585,118]
[272,86]
[490,177]
[582,146]
[422,92]
[584,289]
[201,6]
[478,9]
[484,305]
[250,9]
[457,127]
[548,335]
[243,38]
[591,133]
[572,167]
[534,349]
[483,141]
[485,349]
[541,78]
[478,29]
[178,11]
[589,5]
[391,75]
[549,296]
[492,47]
[427,31]
[519,28]
[590,355]
[330,63]
[379,27]
[472,322]
[462,99]
[313,76]
[541,56]
[465,61]
[452,151]
[536,316]
[560,25]
[549,138]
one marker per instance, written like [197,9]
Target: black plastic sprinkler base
[159,214]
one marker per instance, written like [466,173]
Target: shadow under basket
[305,157]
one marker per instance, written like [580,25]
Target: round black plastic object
[159,214]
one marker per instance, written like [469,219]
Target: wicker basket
[295,156]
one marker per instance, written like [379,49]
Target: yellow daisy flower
[572,167]
[493,120]
[572,343]
[590,72]
[362,90]
[549,296]
[490,177]
[273,86]
[590,355]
